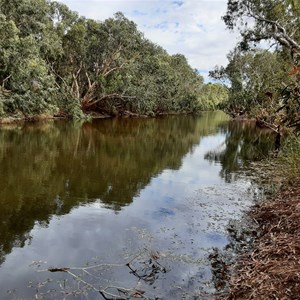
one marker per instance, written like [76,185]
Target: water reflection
[50,168]
[244,143]
[70,192]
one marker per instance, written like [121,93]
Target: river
[136,205]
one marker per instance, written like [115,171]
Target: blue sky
[190,27]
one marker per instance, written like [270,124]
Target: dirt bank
[270,268]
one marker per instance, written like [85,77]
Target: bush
[289,158]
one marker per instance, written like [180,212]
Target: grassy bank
[270,267]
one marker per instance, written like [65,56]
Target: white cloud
[191,27]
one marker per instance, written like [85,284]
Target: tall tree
[273,20]
[273,95]
[55,62]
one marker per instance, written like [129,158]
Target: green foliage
[53,61]
[259,80]
[271,20]
[290,98]
[212,96]
[255,78]
[289,158]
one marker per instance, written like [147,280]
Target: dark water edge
[156,192]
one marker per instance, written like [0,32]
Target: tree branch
[114,69]
[5,79]
[110,96]
[282,37]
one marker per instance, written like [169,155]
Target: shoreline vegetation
[54,62]
[265,84]
[88,117]
[266,253]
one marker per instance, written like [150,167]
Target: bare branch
[87,104]
[144,267]
[88,78]
[279,34]
[75,84]
[114,69]
[5,79]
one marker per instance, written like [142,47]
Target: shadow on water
[70,191]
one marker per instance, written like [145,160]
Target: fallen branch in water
[127,293]
[58,269]
[145,269]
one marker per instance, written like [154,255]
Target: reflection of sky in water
[180,213]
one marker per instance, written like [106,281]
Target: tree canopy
[263,69]
[275,20]
[53,61]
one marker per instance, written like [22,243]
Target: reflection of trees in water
[50,168]
[244,142]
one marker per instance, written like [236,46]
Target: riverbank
[269,267]
[87,116]
[45,117]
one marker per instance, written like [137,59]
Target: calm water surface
[157,193]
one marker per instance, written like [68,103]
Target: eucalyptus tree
[213,96]
[254,79]
[189,83]
[277,22]
[97,60]
[54,61]
[273,20]
[25,77]
[112,48]
[8,49]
